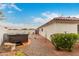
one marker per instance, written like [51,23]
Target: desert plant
[63,41]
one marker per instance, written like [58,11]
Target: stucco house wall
[2,32]
[47,30]
[19,31]
[57,28]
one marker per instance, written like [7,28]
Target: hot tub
[18,37]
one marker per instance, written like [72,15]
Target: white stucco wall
[2,32]
[58,28]
[20,31]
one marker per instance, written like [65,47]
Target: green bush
[63,41]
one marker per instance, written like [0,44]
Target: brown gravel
[12,53]
[40,46]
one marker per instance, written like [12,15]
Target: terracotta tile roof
[62,20]
[66,18]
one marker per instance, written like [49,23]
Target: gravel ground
[40,46]
[7,52]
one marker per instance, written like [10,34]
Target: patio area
[40,46]
[8,52]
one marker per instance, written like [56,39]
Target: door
[78,29]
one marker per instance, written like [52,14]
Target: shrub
[19,53]
[63,41]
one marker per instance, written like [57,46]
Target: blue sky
[36,14]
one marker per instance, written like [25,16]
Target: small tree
[64,41]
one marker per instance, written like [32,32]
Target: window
[42,29]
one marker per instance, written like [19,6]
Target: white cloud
[9,11]
[15,26]
[77,16]
[45,17]
[39,20]
[16,7]
[3,6]
[9,5]
[50,15]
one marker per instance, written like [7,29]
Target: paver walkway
[39,46]
[42,47]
